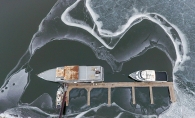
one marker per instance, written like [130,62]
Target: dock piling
[88,95]
[67,96]
[172,95]
[151,95]
[109,96]
[133,94]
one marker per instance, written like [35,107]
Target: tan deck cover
[59,72]
[71,72]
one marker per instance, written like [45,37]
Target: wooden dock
[90,86]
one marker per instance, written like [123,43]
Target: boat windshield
[143,74]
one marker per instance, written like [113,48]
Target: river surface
[122,36]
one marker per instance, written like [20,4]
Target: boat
[59,97]
[74,74]
[149,75]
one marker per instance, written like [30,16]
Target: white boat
[74,74]
[59,97]
[149,75]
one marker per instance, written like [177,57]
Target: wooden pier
[90,86]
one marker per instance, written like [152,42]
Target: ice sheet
[111,21]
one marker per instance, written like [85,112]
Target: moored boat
[149,75]
[59,97]
[74,74]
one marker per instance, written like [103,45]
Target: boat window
[97,72]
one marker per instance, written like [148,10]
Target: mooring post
[109,96]
[151,95]
[88,95]
[171,92]
[133,94]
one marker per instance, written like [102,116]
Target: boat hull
[74,74]
[59,97]
[157,76]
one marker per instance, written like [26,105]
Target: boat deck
[90,86]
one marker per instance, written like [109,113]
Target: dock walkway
[109,85]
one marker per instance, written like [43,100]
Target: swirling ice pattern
[107,21]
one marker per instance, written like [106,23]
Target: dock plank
[120,84]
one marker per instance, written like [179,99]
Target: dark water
[59,53]
[143,46]
[19,21]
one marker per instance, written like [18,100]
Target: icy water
[122,36]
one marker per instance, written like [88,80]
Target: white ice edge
[113,104]
[65,16]
[7,113]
